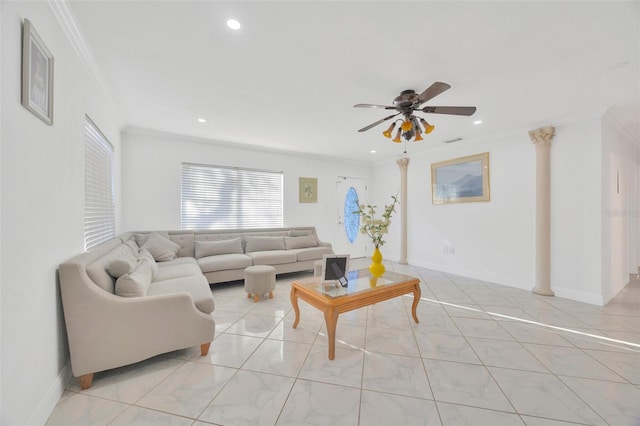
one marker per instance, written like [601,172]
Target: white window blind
[99,187]
[215,197]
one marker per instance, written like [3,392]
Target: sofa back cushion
[212,248]
[135,284]
[98,269]
[300,242]
[263,244]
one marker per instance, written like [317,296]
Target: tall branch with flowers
[376,228]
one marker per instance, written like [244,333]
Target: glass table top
[358,281]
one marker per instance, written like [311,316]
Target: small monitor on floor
[334,268]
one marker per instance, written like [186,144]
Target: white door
[348,239]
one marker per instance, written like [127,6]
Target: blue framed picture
[461,180]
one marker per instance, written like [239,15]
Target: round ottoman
[259,279]
[317,268]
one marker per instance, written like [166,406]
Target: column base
[542,291]
[403,262]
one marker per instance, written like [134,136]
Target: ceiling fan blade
[432,91]
[451,110]
[377,122]
[373,106]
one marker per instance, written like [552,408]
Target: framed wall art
[461,180]
[37,74]
[308,190]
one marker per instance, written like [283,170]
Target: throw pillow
[140,239]
[131,243]
[161,248]
[264,243]
[212,248]
[135,284]
[300,242]
[121,266]
[144,254]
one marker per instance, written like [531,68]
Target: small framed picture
[37,74]
[308,190]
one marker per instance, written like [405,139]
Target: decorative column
[403,163]
[541,138]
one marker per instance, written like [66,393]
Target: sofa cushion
[210,248]
[300,242]
[272,257]
[121,266]
[144,254]
[223,262]
[136,283]
[161,248]
[311,253]
[98,270]
[176,270]
[131,243]
[253,244]
[197,286]
[298,232]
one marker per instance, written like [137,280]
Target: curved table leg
[294,303]
[331,321]
[417,293]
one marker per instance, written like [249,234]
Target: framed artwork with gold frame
[308,190]
[461,180]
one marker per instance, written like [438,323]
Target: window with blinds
[215,197]
[99,187]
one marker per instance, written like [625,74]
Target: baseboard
[51,398]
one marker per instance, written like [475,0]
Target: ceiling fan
[409,102]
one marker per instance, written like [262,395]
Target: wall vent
[453,140]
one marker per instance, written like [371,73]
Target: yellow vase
[376,268]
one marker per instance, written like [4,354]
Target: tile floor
[482,354]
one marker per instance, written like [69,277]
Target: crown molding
[67,21]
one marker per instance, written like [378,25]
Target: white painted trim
[47,404]
[158,134]
[67,21]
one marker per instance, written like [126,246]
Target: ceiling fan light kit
[406,104]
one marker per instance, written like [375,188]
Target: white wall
[151,171]
[620,159]
[495,241]
[42,187]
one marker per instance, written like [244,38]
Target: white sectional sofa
[148,293]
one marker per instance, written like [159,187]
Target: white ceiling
[288,79]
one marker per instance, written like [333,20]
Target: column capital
[542,135]
[403,163]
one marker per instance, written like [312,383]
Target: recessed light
[477,122]
[373,151]
[201,120]
[233,24]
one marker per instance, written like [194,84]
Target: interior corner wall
[495,241]
[42,198]
[620,161]
[151,170]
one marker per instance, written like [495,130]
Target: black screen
[335,268]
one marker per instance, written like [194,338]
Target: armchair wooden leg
[85,381]
[204,348]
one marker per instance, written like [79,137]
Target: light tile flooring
[482,354]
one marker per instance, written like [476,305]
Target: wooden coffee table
[363,290]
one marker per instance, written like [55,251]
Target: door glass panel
[351,219]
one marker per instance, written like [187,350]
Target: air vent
[453,140]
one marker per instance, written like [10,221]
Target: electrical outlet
[452,251]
